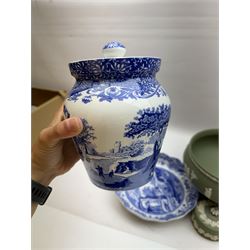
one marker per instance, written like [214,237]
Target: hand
[54,153]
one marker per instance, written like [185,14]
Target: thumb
[65,129]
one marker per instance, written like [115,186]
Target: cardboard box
[45,103]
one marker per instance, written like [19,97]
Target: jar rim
[102,58]
[118,69]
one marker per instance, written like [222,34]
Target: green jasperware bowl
[201,160]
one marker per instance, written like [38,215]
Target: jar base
[131,186]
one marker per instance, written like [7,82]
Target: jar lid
[114,66]
[205,219]
[114,49]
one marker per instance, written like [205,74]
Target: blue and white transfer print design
[114,69]
[115,79]
[125,88]
[130,165]
[148,122]
[107,91]
[168,196]
[113,44]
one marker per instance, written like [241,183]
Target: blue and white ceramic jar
[125,113]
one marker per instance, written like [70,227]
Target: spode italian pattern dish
[168,196]
[125,114]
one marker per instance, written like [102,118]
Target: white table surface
[56,229]
[85,205]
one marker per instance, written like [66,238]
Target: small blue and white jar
[125,113]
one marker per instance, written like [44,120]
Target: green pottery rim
[192,157]
[199,179]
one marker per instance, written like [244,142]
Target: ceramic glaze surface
[201,158]
[113,44]
[205,152]
[114,49]
[168,196]
[125,114]
[115,69]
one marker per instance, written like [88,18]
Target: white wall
[184,33]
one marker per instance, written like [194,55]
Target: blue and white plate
[168,196]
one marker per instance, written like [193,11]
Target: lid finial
[114,49]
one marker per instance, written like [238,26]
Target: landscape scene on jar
[122,165]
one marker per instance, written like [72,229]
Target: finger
[65,129]
[71,155]
[58,116]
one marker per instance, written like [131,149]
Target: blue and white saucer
[168,196]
